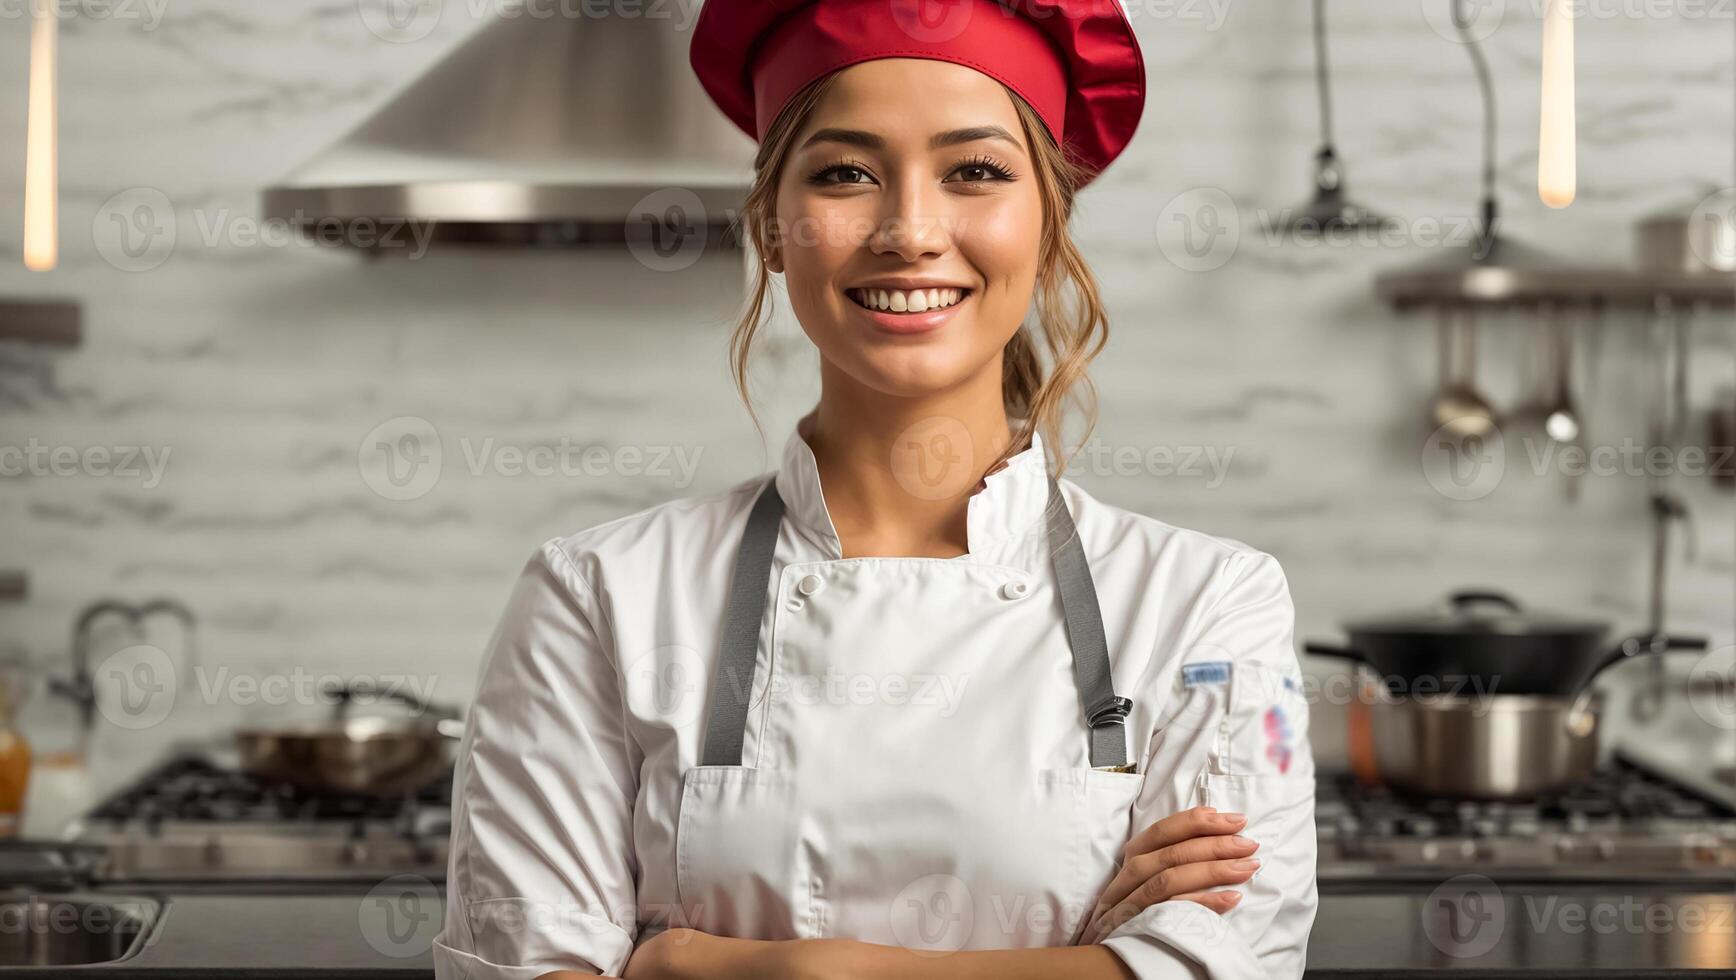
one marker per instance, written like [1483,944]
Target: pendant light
[1557,176]
[1330,209]
[41,194]
[1491,267]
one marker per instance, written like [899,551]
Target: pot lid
[1482,611]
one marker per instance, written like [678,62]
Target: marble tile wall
[260,368]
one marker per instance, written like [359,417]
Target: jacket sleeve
[542,871]
[1234,735]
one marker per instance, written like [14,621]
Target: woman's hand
[1180,856]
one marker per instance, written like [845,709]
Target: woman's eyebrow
[872,141]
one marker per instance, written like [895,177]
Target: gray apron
[1104,713]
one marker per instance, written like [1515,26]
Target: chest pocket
[741,868]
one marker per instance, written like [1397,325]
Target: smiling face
[910,185]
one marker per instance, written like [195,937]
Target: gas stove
[1630,822]
[191,820]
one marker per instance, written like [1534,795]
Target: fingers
[1219,902]
[1140,868]
[1186,879]
[1200,821]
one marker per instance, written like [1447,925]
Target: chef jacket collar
[1009,505]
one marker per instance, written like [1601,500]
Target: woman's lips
[907,323]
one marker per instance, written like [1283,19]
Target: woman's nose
[913,224]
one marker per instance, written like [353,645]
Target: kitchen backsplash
[1252,388]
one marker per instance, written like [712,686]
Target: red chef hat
[1076,62]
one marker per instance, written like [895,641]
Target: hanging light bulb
[1557,172]
[41,193]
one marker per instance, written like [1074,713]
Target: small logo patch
[1278,737]
[1215,672]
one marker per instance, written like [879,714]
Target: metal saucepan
[1507,747]
[1447,721]
[1482,643]
[368,756]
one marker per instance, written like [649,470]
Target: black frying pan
[1481,642]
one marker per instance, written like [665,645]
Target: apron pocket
[1106,828]
[740,868]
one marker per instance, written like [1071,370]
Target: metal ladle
[1561,422]
[1458,410]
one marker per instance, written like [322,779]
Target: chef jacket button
[1015,589]
[810,584]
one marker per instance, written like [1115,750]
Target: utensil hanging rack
[44,322]
[1494,271]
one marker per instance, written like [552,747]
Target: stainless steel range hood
[542,132]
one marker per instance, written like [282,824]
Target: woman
[911,694]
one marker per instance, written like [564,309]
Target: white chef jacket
[915,765]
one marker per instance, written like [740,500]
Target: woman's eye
[974,173]
[845,175]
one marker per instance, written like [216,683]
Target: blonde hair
[1072,333]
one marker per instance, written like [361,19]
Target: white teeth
[912,301]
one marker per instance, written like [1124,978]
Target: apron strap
[732,684]
[1104,712]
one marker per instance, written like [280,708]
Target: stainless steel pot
[367,756]
[1500,747]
